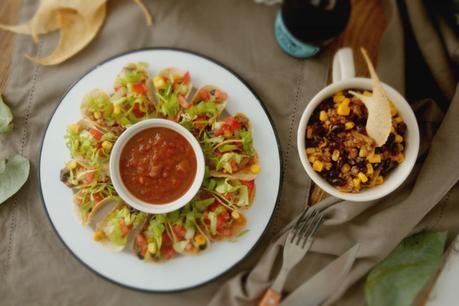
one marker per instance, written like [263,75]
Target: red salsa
[158,165]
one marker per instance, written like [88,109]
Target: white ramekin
[121,189]
[343,78]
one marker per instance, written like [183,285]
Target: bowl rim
[398,175]
[127,196]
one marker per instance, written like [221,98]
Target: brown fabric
[38,270]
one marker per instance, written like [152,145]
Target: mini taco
[228,149]
[235,193]
[186,235]
[218,220]
[153,242]
[88,143]
[89,200]
[172,88]
[97,107]
[207,104]
[75,174]
[133,98]
[114,229]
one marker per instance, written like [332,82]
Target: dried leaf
[13,174]
[6,117]
[76,31]
[145,11]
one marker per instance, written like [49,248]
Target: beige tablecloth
[35,267]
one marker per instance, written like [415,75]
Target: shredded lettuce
[224,161]
[240,192]
[246,137]
[202,108]
[201,205]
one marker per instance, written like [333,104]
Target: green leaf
[398,279]
[6,117]
[13,174]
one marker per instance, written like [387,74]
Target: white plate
[124,268]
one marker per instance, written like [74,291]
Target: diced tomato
[96,133]
[179,231]
[140,88]
[225,232]
[140,240]
[204,95]
[219,132]
[183,102]
[89,177]
[186,77]
[97,197]
[206,218]
[232,124]
[168,252]
[200,125]
[137,112]
[143,250]
[220,96]
[124,228]
[213,207]
[166,239]
[250,185]
[221,218]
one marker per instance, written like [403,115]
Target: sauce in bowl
[158,165]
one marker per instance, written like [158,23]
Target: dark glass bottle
[303,27]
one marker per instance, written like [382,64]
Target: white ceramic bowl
[115,169]
[397,175]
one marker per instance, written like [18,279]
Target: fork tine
[298,224]
[314,227]
[306,226]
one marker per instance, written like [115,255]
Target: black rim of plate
[278,147]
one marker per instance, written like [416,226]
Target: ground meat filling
[339,149]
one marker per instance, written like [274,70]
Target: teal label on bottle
[289,43]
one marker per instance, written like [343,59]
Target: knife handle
[271,298]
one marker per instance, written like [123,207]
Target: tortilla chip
[76,31]
[145,11]
[379,120]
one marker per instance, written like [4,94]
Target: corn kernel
[97,115]
[255,169]
[346,101]
[345,168]
[335,155]
[235,214]
[393,110]
[375,158]
[72,164]
[117,109]
[392,129]
[349,125]
[356,182]
[338,98]
[199,239]
[317,166]
[328,166]
[362,152]
[151,248]
[370,169]
[379,180]
[362,177]
[323,116]
[312,159]
[159,82]
[343,109]
[399,157]
[398,119]
[75,128]
[398,139]
[107,145]
[310,150]
[98,235]
[367,93]
[309,133]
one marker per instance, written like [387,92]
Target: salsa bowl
[131,190]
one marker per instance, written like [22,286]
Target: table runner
[37,269]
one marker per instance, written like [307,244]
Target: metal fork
[299,240]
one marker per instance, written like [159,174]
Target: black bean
[319,130]
[361,163]
[212,92]
[379,150]
[387,166]
[401,128]
[64,175]
[337,181]
[337,128]
[360,129]
[311,143]
[326,104]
